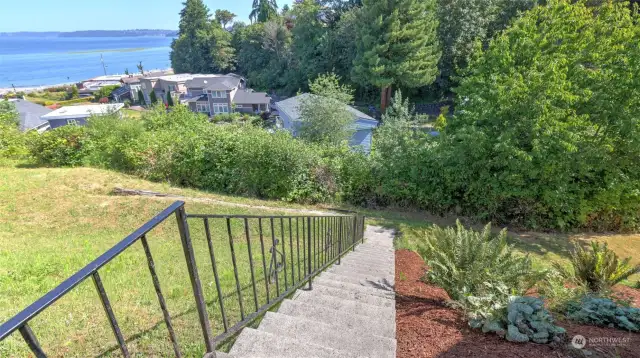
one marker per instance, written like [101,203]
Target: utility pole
[104,68]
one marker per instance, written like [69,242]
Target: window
[218,94]
[72,122]
[238,106]
[172,88]
[202,107]
[220,108]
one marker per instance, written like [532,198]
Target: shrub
[62,146]
[604,312]
[113,142]
[524,319]
[469,263]
[599,268]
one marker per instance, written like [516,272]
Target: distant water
[37,61]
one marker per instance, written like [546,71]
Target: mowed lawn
[55,221]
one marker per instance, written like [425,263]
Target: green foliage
[224,17]
[599,268]
[104,92]
[558,294]
[396,43]
[169,99]
[153,98]
[140,97]
[469,263]
[62,146]
[263,10]
[238,118]
[74,92]
[441,122]
[12,141]
[202,46]
[604,312]
[324,114]
[113,142]
[464,23]
[524,320]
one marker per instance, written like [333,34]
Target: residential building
[224,94]
[29,115]
[363,124]
[132,84]
[77,115]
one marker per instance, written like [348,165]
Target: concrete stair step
[380,255]
[218,355]
[354,295]
[376,265]
[356,340]
[361,269]
[347,320]
[375,257]
[345,305]
[363,280]
[260,344]
[354,287]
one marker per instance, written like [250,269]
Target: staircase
[349,312]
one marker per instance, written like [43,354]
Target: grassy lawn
[54,221]
[131,113]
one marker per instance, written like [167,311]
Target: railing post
[189,256]
[309,250]
[362,229]
[339,240]
[354,230]
[32,341]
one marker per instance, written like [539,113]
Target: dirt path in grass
[158,195]
[426,327]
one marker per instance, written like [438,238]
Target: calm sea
[36,61]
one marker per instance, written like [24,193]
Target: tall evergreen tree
[169,99]
[308,44]
[396,44]
[202,45]
[153,98]
[263,10]
[140,97]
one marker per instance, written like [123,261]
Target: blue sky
[70,15]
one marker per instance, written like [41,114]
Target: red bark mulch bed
[426,327]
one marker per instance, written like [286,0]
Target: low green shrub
[466,263]
[599,268]
[558,294]
[62,146]
[524,319]
[604,312]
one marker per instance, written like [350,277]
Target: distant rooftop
[30,114]
[83,111]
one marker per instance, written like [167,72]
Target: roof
[132,79]
[290,107]
[250,97]
[198,99]
[30,114]
[83,111]
[120,91]
[221,83]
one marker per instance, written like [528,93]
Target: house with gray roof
[224,94]
[288,112]
[30,114]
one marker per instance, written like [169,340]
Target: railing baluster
[298,245]
[163,304]
[304,246]
[284,253]
[264,262]
[309,250]
[235,268]
[214,265]
[189,256]
[293,271]
[274,257]
[253,277]
[339,240]
[112,318]
[355,228]
[32,341]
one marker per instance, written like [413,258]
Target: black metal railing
[283,254]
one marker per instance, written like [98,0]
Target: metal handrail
[325,239]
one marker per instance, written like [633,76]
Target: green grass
[131,113]
[54,221]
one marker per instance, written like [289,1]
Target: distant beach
[33,63]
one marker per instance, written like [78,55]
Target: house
[224,94]
[363,124]
[161,85]
[132,84]
[29,115]
[77,115]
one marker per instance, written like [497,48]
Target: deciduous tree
[224,17]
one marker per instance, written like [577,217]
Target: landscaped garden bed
[426,326]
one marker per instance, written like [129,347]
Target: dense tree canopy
[396,44]
[263,10]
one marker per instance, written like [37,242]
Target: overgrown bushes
[63,146]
